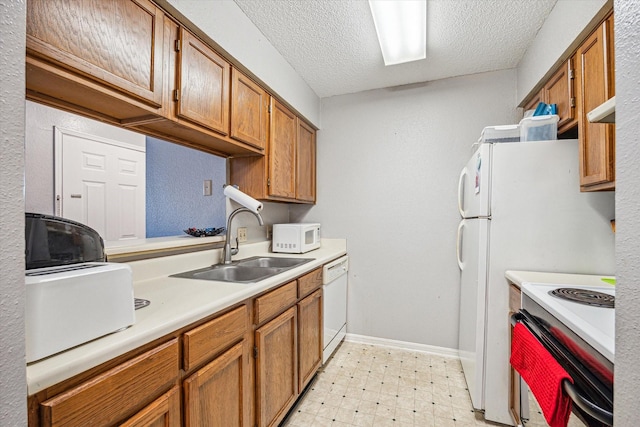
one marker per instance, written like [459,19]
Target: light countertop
[156,243]
[175,303]
[520,277]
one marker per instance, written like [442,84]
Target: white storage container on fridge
[504,133]
[539,128]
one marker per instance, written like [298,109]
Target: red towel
[543,374]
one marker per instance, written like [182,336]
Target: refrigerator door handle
[459,246]
[463,173]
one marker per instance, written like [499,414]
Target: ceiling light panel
[402,29]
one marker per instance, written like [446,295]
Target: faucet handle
[235,250]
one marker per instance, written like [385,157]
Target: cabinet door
[117,393]
[118,43]
[559,90]
[203,85]
[597,144]
[217,394]
[282,151]
[276,368]
[309,337]
[162,412]
[306,163]
[249,110]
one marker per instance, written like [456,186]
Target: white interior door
[101,183]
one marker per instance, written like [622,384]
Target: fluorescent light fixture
[402,29]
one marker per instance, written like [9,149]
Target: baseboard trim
[403,345]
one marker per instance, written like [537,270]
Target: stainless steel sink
[272,262]
[249,270]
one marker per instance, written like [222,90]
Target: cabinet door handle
[76,196]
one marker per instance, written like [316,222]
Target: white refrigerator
[521,209]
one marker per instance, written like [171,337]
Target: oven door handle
[587,406]
[578,399]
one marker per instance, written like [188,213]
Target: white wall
[272,213]
[388,167]
[229,27]
[627,372]
[13,383]
[565,22]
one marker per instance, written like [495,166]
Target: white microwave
[296,238]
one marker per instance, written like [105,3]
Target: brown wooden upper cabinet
[581,83]
[282,151]
[306,163]
[128,63]
[122,50]
[202,92]
[109,46]
[287,172]
[559,90]
[596,83]
[249,110]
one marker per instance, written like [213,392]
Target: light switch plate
[242,234]
[206,187]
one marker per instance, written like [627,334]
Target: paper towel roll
[244,199]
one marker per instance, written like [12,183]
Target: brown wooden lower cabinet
[204,374]
[162,412]
[217,394]
[309,337]
[276,368]
[114,395]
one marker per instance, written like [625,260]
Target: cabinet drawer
[275,302]
[207,340]
[117,393]
[309,282]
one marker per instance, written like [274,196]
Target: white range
[594,324]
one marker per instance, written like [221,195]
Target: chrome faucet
[228,251]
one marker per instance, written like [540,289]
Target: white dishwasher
[334,281]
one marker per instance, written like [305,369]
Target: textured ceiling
[332,44]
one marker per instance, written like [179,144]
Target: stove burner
[584,296]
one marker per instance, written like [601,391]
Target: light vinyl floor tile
[375,386]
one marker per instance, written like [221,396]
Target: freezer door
[472,259]
[474,186]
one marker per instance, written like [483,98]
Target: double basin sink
[248,270]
